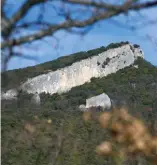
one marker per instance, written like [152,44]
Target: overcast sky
[102,34]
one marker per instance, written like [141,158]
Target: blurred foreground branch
[110,11]
[71,16]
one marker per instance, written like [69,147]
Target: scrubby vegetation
[55,133]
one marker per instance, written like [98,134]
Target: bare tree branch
[94,4]
[24,9]
[112,7]
[20,14]
[2,3]
[70,23]
[77,16]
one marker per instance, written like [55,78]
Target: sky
[101,34]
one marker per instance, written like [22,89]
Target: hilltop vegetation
[136,87]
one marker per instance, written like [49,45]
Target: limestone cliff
[78,73]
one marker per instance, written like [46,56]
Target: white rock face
[101,100]
[82,107]
[36,99]
[135,66]
[9,95]
[62,80]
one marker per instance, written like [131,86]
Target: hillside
[135,87]
[19,76]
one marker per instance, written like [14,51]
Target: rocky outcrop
[78,73]
[9,95]
[101,101]
[36,99]
[82,108]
